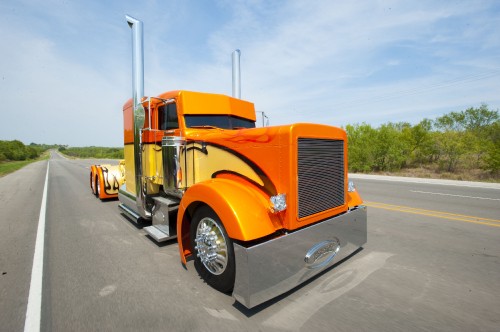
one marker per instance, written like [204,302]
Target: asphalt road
[432,263]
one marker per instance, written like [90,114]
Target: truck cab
[259,210]
[203,162]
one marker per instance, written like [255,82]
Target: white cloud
[65,67]
[311,59]
[47,98]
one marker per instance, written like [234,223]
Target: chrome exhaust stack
[139,113]
[137,59]
[236,74]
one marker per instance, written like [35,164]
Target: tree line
[16,150]
[93,152]
[463,140]
[457,141]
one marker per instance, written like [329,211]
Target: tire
[92,184]
[216,265]
[97,187]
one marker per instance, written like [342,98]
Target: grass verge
[12,166]
[432,172]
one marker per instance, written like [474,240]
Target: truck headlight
[278,203]
[351,187]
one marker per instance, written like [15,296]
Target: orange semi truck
[259,210]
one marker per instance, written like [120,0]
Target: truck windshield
[217,121]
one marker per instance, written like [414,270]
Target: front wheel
[213,250]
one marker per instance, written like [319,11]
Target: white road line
[33,312]
[462,196]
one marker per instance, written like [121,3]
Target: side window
[167,117]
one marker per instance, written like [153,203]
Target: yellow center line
[430,211]
[437,214]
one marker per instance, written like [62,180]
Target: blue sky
[65,66]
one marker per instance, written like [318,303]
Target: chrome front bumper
[269,269]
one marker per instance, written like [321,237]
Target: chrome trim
[321,175]
[124,193]
[265,119]
[160,233]
[274,267]
[137,59]
[148,100]
[139,113]
[211,246]
[174,165]
[128,203]
[236,74]
[164,218]
[321,254]
[129,212]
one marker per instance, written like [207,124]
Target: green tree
[390,150]
[492,147]
[476,119]
[452,147]
[360,138]
[465,137]
[420,143]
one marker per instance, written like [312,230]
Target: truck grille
[321,175]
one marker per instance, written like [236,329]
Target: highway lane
[475,201]
[102,272]
[20,198]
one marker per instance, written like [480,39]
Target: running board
[160,233]
[131,214]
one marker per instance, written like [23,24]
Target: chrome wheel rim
[211,246]
[98,187]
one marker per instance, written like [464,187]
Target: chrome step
[159,232]
[172,205]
